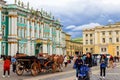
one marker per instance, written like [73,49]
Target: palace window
[103,40]
[24,21]
[91,35]
[24,32]
[91,49]
[110,40]
[118,53]
[20,19]
[86,41]
[3,30]
[117,39]
[103,33]
[110,33]
[86,49]
[86,35]
[117,32]
[3,18]
[103,49]
[117,47]
[91,41]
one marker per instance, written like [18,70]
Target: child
[6,67]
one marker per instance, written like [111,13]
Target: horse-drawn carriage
[35,65]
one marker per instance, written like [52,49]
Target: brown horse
[58,60]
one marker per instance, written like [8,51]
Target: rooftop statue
[15,1]
[22,4]
[28,5]
[19,2]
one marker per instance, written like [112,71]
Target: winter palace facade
[29,31]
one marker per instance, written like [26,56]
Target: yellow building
[72,47]
[102,40]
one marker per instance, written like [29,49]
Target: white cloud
[76,31]
[69,7]
[81,27]
[110,21]
[70,27]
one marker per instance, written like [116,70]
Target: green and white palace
[29,31]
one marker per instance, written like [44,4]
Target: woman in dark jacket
[88,59]
[78,64]
[103,65]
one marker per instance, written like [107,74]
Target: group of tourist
[88,60]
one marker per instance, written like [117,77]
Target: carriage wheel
[34,69]
[19,69]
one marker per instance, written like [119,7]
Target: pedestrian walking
[111,62]
[13,60]
[6,66]
[65,61]
[103,65]
[78,64]
[88,59]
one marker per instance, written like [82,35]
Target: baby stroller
[83,73]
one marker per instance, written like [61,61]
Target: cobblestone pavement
[67,74]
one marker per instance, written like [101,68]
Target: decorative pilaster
[28,36]
[33,29]
[107,37]
[33,37]
[38,30]
[114,36]
[50,32]
[42,30]
[96,38]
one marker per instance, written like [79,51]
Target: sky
[76,15]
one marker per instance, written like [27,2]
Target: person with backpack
[78,64]
[103,65]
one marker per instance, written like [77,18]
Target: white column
[51,49]
[100,37]
[50,32]
[33,49]
[28,37]
[33,30]
[28,47]
[84,39]
[96,38]
[12,49]
[42,30]
[88,39]
[10,26]
[44,48]
[37,30]
[28,28]
[114,36]
[107,36]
